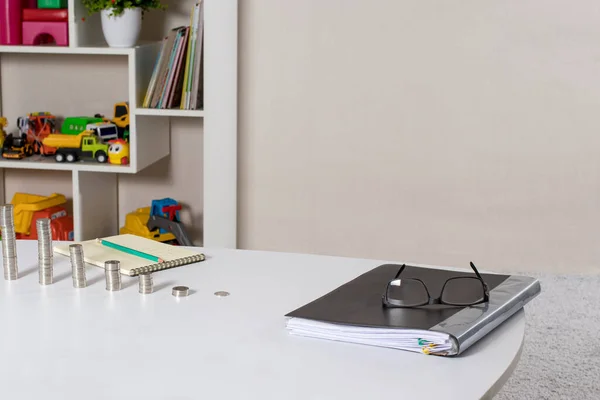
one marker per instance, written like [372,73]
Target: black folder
[354,312]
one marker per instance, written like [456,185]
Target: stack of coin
[9,242]
[146,283]
[45,257]
[77,266]
[112,272]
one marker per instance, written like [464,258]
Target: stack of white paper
[422,341]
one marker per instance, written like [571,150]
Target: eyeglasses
[457,291]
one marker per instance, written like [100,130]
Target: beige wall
[426,131]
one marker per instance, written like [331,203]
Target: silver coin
[77,266]
[146,284]
[10,266]
[10,274]
[112,274]
[45,254]
[9,243]
[221,294]
[46,278]
[112,265]
[181,291]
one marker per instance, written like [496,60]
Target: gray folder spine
[467,326]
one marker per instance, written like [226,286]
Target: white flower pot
[123,30]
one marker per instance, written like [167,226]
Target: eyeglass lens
[463,291]
[407,292]
[456,291]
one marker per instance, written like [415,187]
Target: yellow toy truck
[28,208]
[121,115]
[161,222]
[72,148]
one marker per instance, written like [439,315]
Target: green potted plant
[121,19]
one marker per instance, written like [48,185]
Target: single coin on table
[181,291]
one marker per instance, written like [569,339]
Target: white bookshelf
[94,185]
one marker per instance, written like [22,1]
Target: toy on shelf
[28,208]
[16,147]
[120,119]
[71,148]
[52,4]
[23,22]
[79,138]
[76,125]
[160,222]
[37,126]
[104,130]
[3,124]
[118,152]
[49,15]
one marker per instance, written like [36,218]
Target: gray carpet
[561,353]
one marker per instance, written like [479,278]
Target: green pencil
[130,251]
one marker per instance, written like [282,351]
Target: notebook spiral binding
[168,264]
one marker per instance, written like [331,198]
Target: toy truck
[28,208]
[160,222]
[16,147]
[37,126]
[120,119]
[70,148]
[76,125]
[121,115]
[104,130]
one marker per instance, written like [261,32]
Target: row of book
[176,81]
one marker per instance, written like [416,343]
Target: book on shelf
[177,77]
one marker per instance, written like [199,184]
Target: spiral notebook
[97,254]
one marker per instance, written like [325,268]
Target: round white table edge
[495,388]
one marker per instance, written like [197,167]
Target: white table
[61,343]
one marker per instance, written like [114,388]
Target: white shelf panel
[102,50]
[152,140]
[66,50]
[169,113]
[48,163]
[220,124]
[95,205]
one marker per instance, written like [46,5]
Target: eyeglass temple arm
[385,297]
[399,271]
[479,276]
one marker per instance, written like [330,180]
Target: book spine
[169,71]
[194,90]
[188,57]
[163,68]
[152,83]
[188,84]
[175,96]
